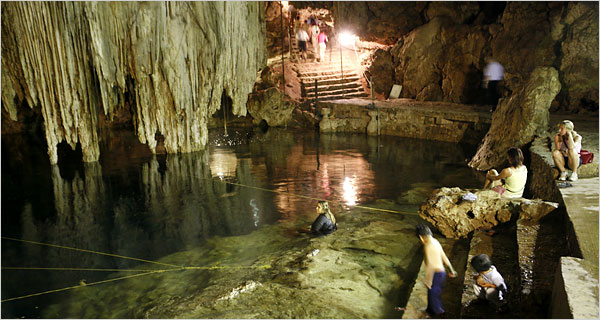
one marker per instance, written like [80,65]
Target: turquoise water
[249,189]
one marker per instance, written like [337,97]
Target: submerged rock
[360,271]
[455,217]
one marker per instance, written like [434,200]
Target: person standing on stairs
[314,38]
[297,24]
[302,38]
[322,44]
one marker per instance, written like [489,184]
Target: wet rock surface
[362,270]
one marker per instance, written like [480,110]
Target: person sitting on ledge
[567,146]
[514,176]
[325,222]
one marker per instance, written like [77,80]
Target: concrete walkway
[581,202]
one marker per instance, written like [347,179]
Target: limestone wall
[166,63]
[439,47]
[406,118]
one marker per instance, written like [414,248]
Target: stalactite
[73,60]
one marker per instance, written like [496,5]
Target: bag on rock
[586,156]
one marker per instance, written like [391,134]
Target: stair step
[320,78]
[336,93]
[328,82]
[334,87]
[345,96]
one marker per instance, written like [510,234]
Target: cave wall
[439,47]
[167,63]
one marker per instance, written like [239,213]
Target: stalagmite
[169,62]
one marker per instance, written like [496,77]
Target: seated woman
[514,176]
[325,222]
[567,146]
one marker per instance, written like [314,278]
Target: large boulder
[381,72]
[579,51]
[438,61]
[269,105]
[518,119]
[440,55]
[456,217]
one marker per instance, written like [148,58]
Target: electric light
[347,38]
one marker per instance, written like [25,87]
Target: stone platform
[430,120]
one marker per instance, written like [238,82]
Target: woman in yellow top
[515,176]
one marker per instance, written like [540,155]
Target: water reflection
[138,205]
[350,194]
[223,162]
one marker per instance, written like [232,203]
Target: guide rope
[144,271]
[92,251]
[313,198]
[85,285]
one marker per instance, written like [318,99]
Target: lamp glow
[350,194]
[347,38]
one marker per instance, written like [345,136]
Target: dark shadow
[409,275]
[527,193]
[69,161]
[492,10]
[473,93]
[551,244]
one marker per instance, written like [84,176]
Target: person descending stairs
[337,76]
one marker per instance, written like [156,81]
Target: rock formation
[167,63]
[440,47]
[378,21]
[518,119]
[270,105]
[456,217]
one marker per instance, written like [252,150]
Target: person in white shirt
[489,284]
[567,146]
[492,75]
[302,38]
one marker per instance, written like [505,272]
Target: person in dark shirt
[325,222]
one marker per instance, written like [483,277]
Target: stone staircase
[334,79]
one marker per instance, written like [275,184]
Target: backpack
[586,156]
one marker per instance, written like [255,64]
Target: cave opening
[492,10]
[225,113]
[70,161]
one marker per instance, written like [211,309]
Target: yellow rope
[266,266]
[313,198]
[83,269]
[85,285]
[91,251]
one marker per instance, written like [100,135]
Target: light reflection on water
[137,205]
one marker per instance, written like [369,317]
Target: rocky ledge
[452,212]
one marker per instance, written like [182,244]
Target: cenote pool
[214,234]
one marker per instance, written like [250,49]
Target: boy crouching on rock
[490,284]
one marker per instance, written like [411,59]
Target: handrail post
[316,94]
[282,50]
[341,65]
